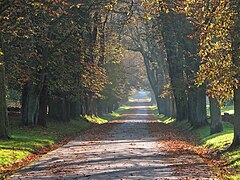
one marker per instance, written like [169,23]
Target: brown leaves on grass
[12,168]
[185,155]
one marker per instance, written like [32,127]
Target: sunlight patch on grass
[164,119]
[95,119]
[221,141]
[107,117]
[237,177]
[9,156]
[160,117]
[234,158]
[226,109]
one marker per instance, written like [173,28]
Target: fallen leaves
[95,133]
[188,159]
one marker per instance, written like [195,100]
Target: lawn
[226,109]
[221,141]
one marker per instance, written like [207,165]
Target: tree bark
[59,109]
[216,117]
[197,114]
[3,105]
[43,102]
[236,60]
[236,139]
[75,109]
[89,105]
[30,104]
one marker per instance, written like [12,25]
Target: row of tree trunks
[156,77]
[75,109]
[175,62]
[190,102]
[62,109]
[59,109]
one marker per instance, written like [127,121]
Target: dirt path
[126,152]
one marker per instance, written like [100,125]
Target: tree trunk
[59,109]
[236,61]
[216,117]
[30,104]
[3,105]
[172,107]
[68,110]
[89,105]
[236,139]
[75,109]
[181,108]
[43,102]
[197,114]
[153,98]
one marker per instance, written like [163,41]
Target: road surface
[126,151]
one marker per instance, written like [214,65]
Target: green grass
[221,141]
[160,117]
[226,109]
[107,117]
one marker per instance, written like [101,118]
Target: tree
[3,105]
[236,61]
[216,117]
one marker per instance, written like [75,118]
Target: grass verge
[217,142]
[160,117]
[226,109]
[220,142]
[107,117]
